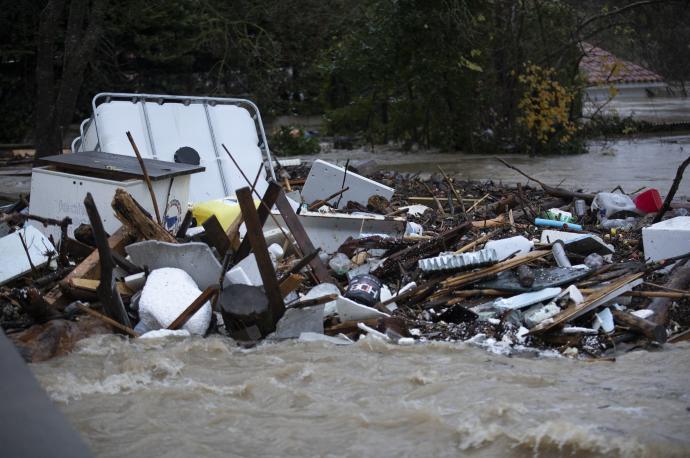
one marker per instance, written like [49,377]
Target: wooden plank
[216,236]
[194,307]
[264,212]
[303,241]
[588,305]
[118,166]
[91,286]
[290,284]
[263,259]
[107,291]
[106,319]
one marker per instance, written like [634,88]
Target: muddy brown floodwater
[631,163]
[207,398]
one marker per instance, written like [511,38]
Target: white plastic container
[507,247]
[58,194]
[608,205]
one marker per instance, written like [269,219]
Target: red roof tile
[602,67]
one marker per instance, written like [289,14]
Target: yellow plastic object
[226,210]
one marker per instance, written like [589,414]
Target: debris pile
[326,253]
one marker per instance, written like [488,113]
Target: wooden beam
[194,307]
[216,236]
[130,213]
[303,241]
[107,291]
[639,325]
[290,284]
[264,210]
[263,259]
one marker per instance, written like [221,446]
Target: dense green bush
[291,141]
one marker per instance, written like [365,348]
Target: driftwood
[551,190]
[679,279]
[639,325]
[132,216]
[672,191]
[147,179]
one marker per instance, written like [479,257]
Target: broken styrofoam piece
[538,313]
[617,292]
[195,258]
[405,341]
[324,289]
[251,269]
[505,248]
[166,294]
[525,299]
[604,320]
[373,332]
[349,310]
[479,258]
[14,262]
[578,330]
[165,333]
[325,179]
[135,282]
[415,210]
[666,239]
[276,252]
[573,293]
[237,276]
[643,313]
[316,337]
[295,321]
[393,306]
[583,244]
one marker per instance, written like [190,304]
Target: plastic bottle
[608,205]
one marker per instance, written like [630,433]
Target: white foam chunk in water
[167,293]
[163,333]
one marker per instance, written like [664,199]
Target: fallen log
[679,279]
[133,217]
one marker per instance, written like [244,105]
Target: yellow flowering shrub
[545,106]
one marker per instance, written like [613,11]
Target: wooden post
[215,235]
[263,259]
[647,328]
[107,290]
[264,211]
[302,239]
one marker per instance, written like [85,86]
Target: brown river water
[207,397]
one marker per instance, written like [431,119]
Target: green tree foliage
[445,73]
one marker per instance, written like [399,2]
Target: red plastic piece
[648,201]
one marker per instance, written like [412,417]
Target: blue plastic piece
[558,224]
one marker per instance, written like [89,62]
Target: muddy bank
[198,397]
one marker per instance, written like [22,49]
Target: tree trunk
[56,98]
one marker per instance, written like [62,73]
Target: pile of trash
[337,253]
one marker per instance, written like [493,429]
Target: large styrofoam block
[326,179]
[60,194]
[13,258]
[667,239]
[167,293]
